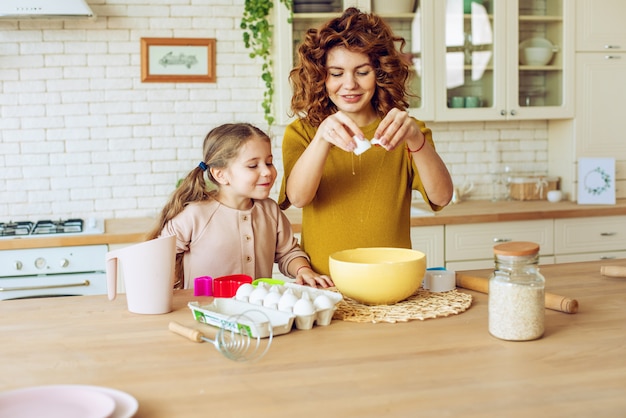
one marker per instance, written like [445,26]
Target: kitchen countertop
[116,231]
[438,367]
[477,211]
[131,230]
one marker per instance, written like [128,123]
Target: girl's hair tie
[203,166]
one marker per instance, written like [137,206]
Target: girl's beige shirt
[216,240]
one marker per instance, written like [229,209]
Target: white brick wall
[80,135]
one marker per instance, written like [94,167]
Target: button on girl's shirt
[248,253]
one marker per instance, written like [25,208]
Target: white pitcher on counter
[148,272]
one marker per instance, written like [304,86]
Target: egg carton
[311,306]
[235,315]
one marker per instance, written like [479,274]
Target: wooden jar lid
[515,248]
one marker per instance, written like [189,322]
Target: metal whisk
[236,342]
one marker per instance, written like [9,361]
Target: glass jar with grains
[516,293]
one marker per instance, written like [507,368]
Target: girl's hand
[338,129]
[308,277]
[397,127]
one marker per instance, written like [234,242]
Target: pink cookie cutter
[203,286]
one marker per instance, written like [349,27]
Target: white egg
[303,307]
[244,291]
[257,295]
[287,301]
[323,302]
[271,299]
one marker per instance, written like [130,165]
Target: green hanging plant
[257,37]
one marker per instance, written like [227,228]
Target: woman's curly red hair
[358,32]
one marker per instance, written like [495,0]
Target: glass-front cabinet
[504,60]
[470,59]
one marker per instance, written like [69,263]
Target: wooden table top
[438,367]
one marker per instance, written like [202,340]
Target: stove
[47,227]
[52,271]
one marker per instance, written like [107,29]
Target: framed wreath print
[186,60]
[596,181]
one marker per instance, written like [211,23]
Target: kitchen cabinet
[600,25]
[598,128]
[465,66]
[429,240]
[479,52]
[587,239]
[470,246]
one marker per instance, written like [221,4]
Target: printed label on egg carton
[235,315]
[309,305]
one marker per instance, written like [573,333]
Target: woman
[351,84]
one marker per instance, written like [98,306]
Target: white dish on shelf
[536,51]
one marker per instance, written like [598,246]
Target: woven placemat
[422,305]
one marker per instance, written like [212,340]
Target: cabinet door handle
[513,112]
[612,47]
[612,57]
[608,234]
[502,240]
[503,112]
[607,257]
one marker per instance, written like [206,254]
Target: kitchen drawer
[576,258]
[487,263]
[588,235]
[429,240]
[476,241]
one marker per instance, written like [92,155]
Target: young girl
[230,226]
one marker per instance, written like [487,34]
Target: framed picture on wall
[183,60]
[596,181]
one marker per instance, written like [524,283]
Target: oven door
[75,284]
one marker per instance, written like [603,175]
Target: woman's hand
[306,276]
[338,129]
[396,127]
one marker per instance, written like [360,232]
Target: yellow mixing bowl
[377,276]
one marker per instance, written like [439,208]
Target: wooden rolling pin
[190,333]
[554,302]
[613,271]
